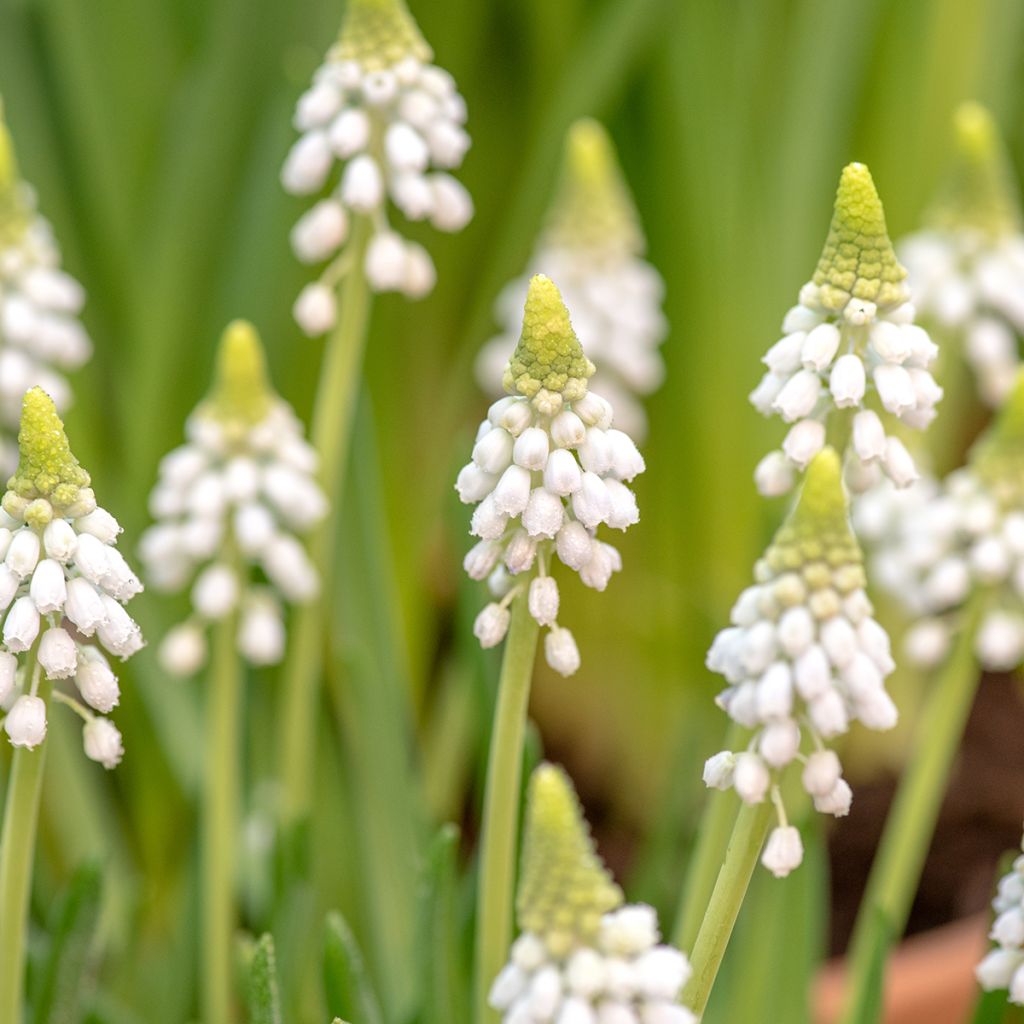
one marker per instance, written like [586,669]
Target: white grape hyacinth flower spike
[63,586]
[41,337]
[850,348]
[803,659]
[548,470]
[381,126]
[593,246]
[583,956]
[231,506]
[1003,967]
[966,266]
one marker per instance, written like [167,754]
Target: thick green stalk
[496,877]
[332,423]
[911,821]
[17,847]
[221,791]
[720,918]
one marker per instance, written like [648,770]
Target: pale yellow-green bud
[565,889]
[48,479]
[998,455]
[241,394]
[979,192]
[14,216]
[858,260]
[816,540]
[379,34]
[548,365]
[593,209]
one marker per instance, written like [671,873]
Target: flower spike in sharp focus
[548,469]
[243,485]
[593,247]
[803,658]
[582,956]
[934,551]
[1004,967]
[394,122]
[40,335]
[62,585]
[851,343]
[967,266]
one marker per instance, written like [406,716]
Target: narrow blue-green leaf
[262,994]
[347,985]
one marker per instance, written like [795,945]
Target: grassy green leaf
[347,985]
[261,983]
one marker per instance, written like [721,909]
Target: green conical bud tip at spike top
[858,260]
[241,392]
[816,538]
[379,34]
[593,209]
[565,889]
[47,469]
[979,192]
[998,455]
[548,364]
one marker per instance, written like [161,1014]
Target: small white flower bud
[508,986]
[60,540]
[796,631]
[543,600]
[767,391]
[773,475]
[592,503]
[562,473]
[828,713]
[119,580]
[512,491]
[751,779]
[102,742]
[775,692]
[595,452]
[254,527]
[820,346]
[585,975]
[876,709]
[119,633]
[779,742]
[812,673]
[286,563]
[868,436]
[1000,641]
[1008,928]
[567,430]
[821,772]
[847,382]
[719,770]
[58,654]
[783,852]
[927,642]
[544,514]
[379,87]
[405,148]
[493,452]
[182,651]
[491,625]
[837,802]
[804,440]
[21,627]
[362,187]
[349,132]
[453,206]
[385,262]
[899,463]
[990,559]
[487,522]
[604,560]
[799,396]
[574,545]
[215,592]
[839,639]
[660,974]
[47,588]
[261,635]
[317,105]
[320,232]
[895,388]
[23,552]
[890,342]
[594,410]
[472,484]
[800,318]
[561,652]
[531,449]
[624,509]
[998,966]
[307,165]
[626,460]
[784,356]
[95,681]
[481,559]
[520,552]
[759,647]
[25,723]
[316,309]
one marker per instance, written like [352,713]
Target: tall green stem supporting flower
[17,847]
[496,877]
[748,837]
[221,790]
[332,423]
[911,822]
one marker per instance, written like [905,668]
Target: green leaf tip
[565,889]
[593,209]
[979,191]
[998,455]
[548,365]
[241,392]
[380,33]
[816,534]
[48,479]
[858,261]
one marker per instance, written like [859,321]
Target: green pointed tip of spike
[565,889]
[593,210]
[816,538]
[379,34]
[241,392]
[998,455]
[548,365]
[47,469]
[979,192]
[858,261]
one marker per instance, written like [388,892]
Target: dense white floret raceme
[803,659]
[382,125]
[63,584]
[849,347]
[41,336]
[231,505]
[548,469]
[593,247]
[1003,967]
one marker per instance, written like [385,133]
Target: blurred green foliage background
[154,131]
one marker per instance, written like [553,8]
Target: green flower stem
[332,423]
[706,859]
[221,790]
[496,877]
[17,847]
[911,821]
[741,857]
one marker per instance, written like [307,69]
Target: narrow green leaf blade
[262,992]
[346,983]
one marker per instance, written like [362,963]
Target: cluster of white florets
[63,584]
[230,500]
[543,482]
[395,131]
[1004,967]
[40,335]
[826,362]
[936,545]
[625,978]
[972,282]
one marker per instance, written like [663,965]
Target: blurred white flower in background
[1004,967]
